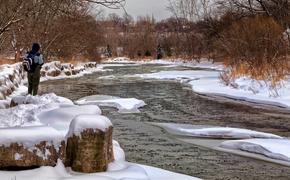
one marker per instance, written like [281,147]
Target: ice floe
[124,105]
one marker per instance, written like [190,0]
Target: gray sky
[145,7]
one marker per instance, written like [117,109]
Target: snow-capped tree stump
[89,144]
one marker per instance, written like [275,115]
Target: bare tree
[113,4]
[192,10]
[278,9]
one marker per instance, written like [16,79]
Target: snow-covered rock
[124,105]
[30,146]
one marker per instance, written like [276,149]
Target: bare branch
[112,4]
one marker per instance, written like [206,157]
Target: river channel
[172,102]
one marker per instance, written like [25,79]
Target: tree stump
[90,150]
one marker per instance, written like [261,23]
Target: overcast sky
[145,7]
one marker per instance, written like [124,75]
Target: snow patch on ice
[120,60]
[182,76]
[124,105]
[272,148]
[213,131]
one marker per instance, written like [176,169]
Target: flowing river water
[172,102]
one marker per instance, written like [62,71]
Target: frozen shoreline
[204,82]
[209,83]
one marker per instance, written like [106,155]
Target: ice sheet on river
[213,131]
[124,105]
[183,76]
[273,148]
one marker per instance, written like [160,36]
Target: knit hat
[35,47]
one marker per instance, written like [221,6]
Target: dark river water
[170,101]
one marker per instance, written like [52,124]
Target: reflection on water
[171,102]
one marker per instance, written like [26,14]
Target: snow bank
[44,99]
[272,148]
[201,63]
[124,105]
[213,131]
[245,90]
[25,114]
[82,122]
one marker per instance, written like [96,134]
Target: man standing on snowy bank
[34,62]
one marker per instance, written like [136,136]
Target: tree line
[250,36]
[65,29]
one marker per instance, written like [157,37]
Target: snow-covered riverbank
[13,77]
[207,81]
